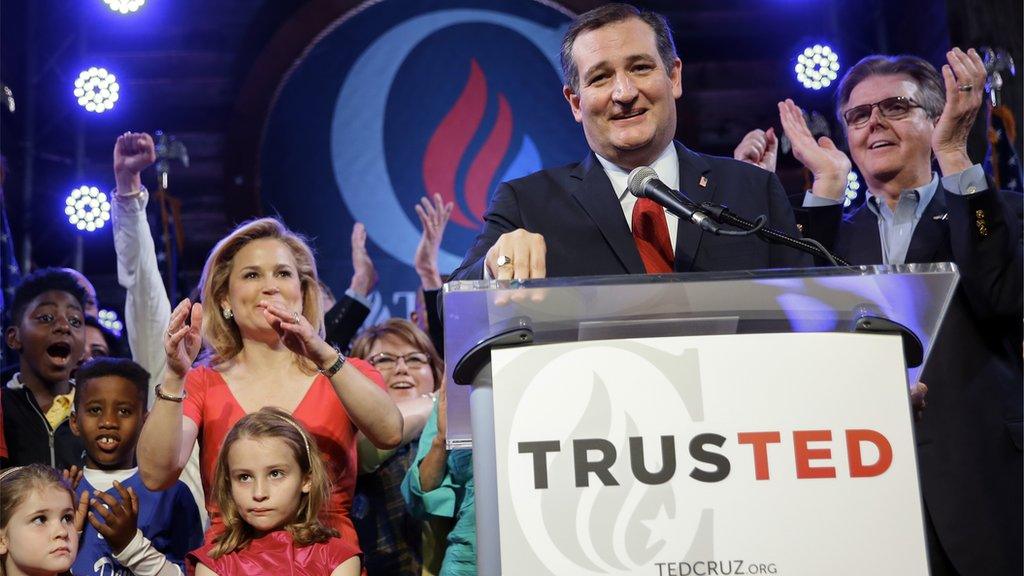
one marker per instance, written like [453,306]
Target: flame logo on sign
[599,529]
[447,148]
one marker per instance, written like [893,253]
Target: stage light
[96,89]
[852,189]
[87,208]
[124,6]
[817,67]
[108,319]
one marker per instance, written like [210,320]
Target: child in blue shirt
[131,529]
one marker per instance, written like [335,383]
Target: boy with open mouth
[47,330]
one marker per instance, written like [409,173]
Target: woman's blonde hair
[15,486]
[407,332]
[306,529]
[222,334]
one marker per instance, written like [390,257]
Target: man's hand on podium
[917,394]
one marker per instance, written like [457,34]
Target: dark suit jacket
[343,320]
[577,212]
[969,439]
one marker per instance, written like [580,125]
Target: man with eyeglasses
[899,113]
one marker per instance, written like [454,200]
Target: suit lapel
[931,231]
[595,194]
[864,245]
[692,168]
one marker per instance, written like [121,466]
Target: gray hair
[611,14]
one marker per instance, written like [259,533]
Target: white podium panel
[783,454]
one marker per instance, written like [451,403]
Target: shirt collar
[103,480]
[666,165]
[922,194]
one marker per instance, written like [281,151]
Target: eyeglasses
[892,108]
[387,362]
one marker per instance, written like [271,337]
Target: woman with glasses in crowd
[393,541]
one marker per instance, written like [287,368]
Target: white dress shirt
[667,167]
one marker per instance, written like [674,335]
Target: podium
[750,422]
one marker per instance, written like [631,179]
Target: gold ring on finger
[504,261]
[965,87]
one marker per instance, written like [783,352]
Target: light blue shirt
[896,226]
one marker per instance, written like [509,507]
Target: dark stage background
[253,89]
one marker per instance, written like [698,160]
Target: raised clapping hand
[434,214]
[120,519]
[182,341]
[364,274]
[133,153]
[760,148]
[297,334]
[829,165]
[964,77]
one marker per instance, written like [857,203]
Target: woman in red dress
[262,317]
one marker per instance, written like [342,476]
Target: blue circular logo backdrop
[394,102]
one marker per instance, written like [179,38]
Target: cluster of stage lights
[87,208]
[817,67]
[852,189]
[108,319]
[124,6]
[96,90]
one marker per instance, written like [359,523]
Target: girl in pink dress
[271,487]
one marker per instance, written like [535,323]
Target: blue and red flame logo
[448,145]
[396,102]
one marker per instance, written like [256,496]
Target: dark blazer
[342,322]
[577,212]
[969,439]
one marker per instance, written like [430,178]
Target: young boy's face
[50,337]
[108,416]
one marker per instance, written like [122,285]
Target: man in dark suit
[622,80]
[898,112]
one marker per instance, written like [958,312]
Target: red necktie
[650,232]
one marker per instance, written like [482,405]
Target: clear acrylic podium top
[634,306]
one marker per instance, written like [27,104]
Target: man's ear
[12,338]
[676,75]
[574,102]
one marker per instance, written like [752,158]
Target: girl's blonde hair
[270,422]
[15,486]
[222,334]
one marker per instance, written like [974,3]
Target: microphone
[644,183]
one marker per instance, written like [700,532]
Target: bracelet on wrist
[331,370]
[165,396]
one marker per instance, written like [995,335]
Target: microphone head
[639,178]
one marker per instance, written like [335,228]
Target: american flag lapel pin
[703,182]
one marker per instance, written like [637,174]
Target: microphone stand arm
[723,215]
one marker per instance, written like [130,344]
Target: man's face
[887,150]
[50,337]
[626,99]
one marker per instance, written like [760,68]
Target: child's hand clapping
[120,518]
